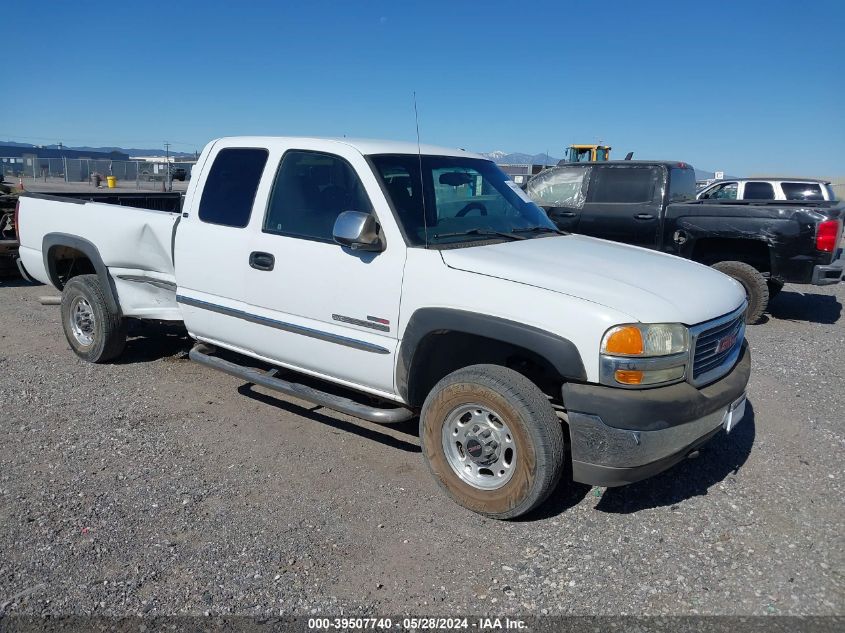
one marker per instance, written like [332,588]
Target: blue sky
[746,87]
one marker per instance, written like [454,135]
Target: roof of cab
[625,163]
[365,146]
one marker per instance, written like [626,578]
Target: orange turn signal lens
[628,376]
[626,339]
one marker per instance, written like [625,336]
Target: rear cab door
[624,203]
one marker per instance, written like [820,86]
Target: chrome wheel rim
[479,446]
[82,322]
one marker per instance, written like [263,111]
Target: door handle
[644,216]
[565,214]
[261,261]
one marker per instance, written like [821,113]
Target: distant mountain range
[132,151]
[518,158]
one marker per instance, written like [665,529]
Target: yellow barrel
[112,181]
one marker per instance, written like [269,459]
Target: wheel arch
[56,244]
[752,251]
[438,341]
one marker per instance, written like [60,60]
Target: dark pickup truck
[165,201]
[761,244]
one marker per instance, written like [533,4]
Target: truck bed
[134,245]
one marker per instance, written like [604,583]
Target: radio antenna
[419,156]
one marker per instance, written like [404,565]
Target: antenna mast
[419,156]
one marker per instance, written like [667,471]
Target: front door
[334,310]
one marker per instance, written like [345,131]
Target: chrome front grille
[714,351]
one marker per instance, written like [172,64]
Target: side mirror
[357,230]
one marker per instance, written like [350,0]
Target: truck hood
[649,286]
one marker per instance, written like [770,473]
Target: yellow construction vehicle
[585,153]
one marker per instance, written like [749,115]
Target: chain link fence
[129,173]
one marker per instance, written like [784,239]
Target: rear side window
[802,190]
[310,191]
[623,184]
[759,191]
[231,185]
[681,184]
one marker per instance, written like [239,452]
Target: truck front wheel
[755,286]
[492,440]
[94,331]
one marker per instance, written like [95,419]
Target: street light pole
[169,186]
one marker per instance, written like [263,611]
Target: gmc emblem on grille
[726,343]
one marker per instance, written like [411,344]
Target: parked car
[179,173]
[518,347]
[8,232]
[768,189]
[760,243]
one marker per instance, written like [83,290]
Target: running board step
[202,353]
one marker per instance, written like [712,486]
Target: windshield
[465,200]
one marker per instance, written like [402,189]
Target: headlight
[641,339]
[642,354]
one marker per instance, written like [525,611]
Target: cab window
[311,189]
[759,191]
[230,188]
[623,184]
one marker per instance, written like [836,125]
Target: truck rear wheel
[492,440]
[95,332]
[756,289]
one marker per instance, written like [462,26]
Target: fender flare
[54,240]
[560,352]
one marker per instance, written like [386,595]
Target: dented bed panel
[126,237]
[788,232]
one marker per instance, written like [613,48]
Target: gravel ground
[157,486]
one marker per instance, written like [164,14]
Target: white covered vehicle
[427,283]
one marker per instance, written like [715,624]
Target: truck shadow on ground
[796,306]
[719,459]
[12,281]
[149,341]
[568,494]
[312,412]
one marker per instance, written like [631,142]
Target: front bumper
[620,436]
[829,274]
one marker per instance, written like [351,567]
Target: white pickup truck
[415,281]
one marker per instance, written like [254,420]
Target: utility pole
[167,180]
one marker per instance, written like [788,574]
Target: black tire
[774,288]
[536,433]
[755,286]
[96,340]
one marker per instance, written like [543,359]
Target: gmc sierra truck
[760,243]
[414,281]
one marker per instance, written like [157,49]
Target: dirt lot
[156,486]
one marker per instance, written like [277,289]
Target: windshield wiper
[483,232]
[539,229]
